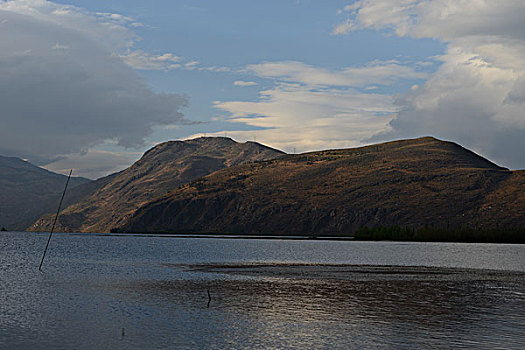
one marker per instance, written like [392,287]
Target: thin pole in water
[55,221]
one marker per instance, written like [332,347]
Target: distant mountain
[161,170]
[414,183]
[27,192]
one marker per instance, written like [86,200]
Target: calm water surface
[109,292]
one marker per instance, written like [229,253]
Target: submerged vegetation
[435,234]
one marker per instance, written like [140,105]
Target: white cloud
[59,46]
[442,19]
[313,108]
[191,65]
[112,33]
[474,97]
[343,28]
[375,72]
[139,59]
[63,87]
[118,19]
[295,116]
[242,83]
[218,69]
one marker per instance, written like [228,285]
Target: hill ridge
[161,169]
[28,191]
[412,182]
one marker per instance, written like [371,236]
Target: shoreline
[261,237]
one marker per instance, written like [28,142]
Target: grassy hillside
[27,192]
[410,183]
[162,169]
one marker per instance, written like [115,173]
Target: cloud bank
[64,87]
[312,108]
[375,72]
[477,95]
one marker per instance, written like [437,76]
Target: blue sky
[235,34]
[302,75]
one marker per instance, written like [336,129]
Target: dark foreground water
[103,292]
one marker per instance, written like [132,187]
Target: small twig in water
[209,297]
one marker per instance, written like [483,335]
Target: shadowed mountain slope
[162,169]
[415,182]
[27,192]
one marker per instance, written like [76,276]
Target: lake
[150,292]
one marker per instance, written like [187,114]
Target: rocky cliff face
[411,182]
[161,170]
[27,192]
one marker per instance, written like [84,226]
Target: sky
[91,85]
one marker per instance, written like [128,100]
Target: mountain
[162,169]
[27,192]
[413,183]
